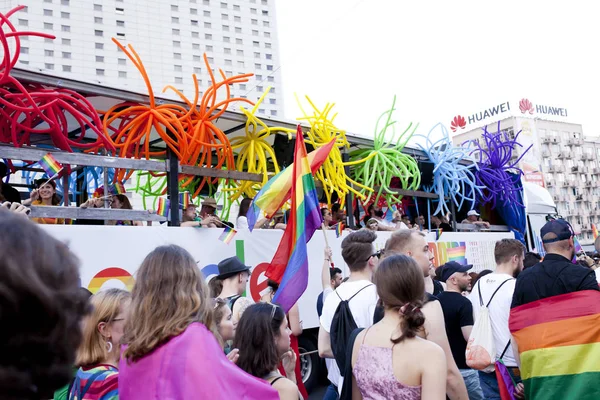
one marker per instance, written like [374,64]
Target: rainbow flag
[184,200]
[50,165]
[227,235]
[163,207]
[457,254]
[438,233]
[277,190]
[117,188]
[290,262]
[339,228]
[595,231]
[559,344]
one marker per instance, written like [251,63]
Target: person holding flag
[44,194]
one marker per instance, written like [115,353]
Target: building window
[237,19]
[256,55]
[98,33]
[223,5]
[66,54]
[178,68]
[208,36]
[121,23]
[195,46]
[272,101]
[48,13]
[178,79]
[257,66]
[238,30]
[258,77]
[197,70]
[206,2]
[207,25]
[267,34]
[23,22]
[65,15]
[206,13]
[270,78]
[253,11]
[48,25]
[254,33]
[174,8]
[177,56]
[64,2]
[97,7]
[196,58]
[47,66]
[65,42]
[100,72]
[227,62]
[239,41]
[260,88]
[256,44]
[273,112]
[176,43]
[25,50]
[66,68]
[195,35]
[225,28]
[227,50]
[122,61]
[236,8]
[224,16]
[100,46]
[122,74]
[100,59]
[97,20]
[240,64]
[265,12]
[174,20]
[65,28]
[209,48]
[211,60]
[263,2]
[254,21]
[47,53]
[175,32]
[47,1]
[226,39]
[267,45]
[269,56]
[266,24]
[242,86]
[269,68]
[119,11]
[120,35]
[24,62]
[239,52]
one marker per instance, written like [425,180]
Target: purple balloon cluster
[496,169]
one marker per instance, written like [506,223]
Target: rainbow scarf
[559,345]
[277,190]
[290,262]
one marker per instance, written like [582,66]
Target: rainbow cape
[290,262]
[595,231]
[50,165]
[278,189]
[559,344]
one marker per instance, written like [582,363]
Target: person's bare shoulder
[286,389]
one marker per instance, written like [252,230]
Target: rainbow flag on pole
[163,207]
[50,165]
[277,190]
[290,262]
[595,231]
[227,235]
[339,228]
[559,345]
[184,200]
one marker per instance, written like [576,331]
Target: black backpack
[342,326]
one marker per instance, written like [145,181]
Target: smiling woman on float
[44,195]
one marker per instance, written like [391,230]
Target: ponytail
[412,321]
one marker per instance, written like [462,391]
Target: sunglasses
[377,254]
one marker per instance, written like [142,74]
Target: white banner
[110,255]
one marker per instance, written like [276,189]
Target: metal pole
[173,187]
[66,185]
[453,209]
[349,197]
[105,176]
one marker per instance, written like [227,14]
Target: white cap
[472,212]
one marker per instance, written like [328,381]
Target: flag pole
[326,241]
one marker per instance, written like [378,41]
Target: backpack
[481,350]
[342,326]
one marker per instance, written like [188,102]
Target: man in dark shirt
[7,191]
[438,223]
[557,274]
[458,317]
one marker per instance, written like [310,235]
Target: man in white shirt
[362,259]
[509,255]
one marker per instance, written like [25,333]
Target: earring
[109,346]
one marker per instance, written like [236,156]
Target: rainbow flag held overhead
[227,235]
[50,165]
[184,200]
[277,190]
[163,207]
[289,266]
[595,231]
[559,345]
[339,228]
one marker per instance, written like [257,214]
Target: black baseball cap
[452,267]
[559,227]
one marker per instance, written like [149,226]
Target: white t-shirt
[597,272]
[499,310]
[241,223]
[362,307]
[333,371]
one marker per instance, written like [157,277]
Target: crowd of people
[393,329]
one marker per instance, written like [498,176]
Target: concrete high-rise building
[171,36]
[561,159]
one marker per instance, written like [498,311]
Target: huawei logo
[458,122]
[525,106]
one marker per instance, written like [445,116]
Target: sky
[440,58]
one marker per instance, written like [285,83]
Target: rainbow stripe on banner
[339,228]
[457,254]
[559,344]
[227,235]
[50,165]
[163,207]
[111,273]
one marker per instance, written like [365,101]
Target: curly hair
[169,294]
[41,306]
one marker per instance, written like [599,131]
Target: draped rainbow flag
[559,344]
[277,190]
[290,262]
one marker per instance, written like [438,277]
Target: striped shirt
[99,382]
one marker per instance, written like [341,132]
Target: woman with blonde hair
[98,354]
[169,337]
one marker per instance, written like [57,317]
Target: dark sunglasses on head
[377,254]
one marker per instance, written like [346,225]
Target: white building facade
[171,36]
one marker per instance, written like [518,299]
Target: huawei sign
[526,106]
[458,122]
